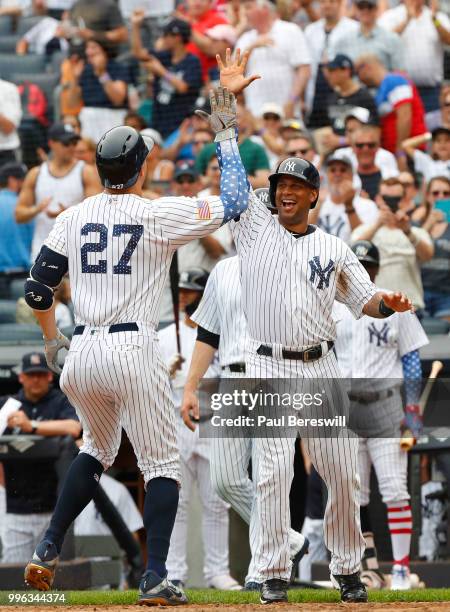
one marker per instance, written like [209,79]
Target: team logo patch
[35,360]
[203,210]
[380,336]
[323,274]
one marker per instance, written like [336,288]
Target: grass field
[208,596]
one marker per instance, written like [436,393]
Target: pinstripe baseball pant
[21,533]
[119,380]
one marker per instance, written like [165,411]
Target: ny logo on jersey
[323,274]
[329,227]
[290,166]
[378,335]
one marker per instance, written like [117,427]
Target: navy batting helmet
[367,252]
[120,155]
[263,195]
[301,169]
[194,279]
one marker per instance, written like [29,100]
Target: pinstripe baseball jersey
[220,311]
[373,348]
[289,284]
[120,247]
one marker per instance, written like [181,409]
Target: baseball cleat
[351,588]
[252,586]
[156,591]
[225,582]
[40,571]
[400,578]
[304,547]
[274,591]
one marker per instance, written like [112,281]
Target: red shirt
[208,20]
[394,91]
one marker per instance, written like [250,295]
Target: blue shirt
[93,92]
[15,239]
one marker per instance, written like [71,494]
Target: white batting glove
[223,110]
[52,347]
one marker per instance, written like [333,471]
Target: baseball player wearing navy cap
[117,247]
[291,273]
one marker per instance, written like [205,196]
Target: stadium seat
[7,311]
[16,288]
[20,333]
[20,64]
[26,23]
[5,25]
[8,43]
[435,326]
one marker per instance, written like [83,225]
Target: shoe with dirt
[40,572]
[274,591]
[157,591]
[351,588]
[400,578]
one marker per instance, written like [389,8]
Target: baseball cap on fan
[178,27]
[62,132]
[340,61]
[360,113]
[185,169]
[34,362]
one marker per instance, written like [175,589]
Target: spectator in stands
[68,75]
[177,73]
[320,36]
[44,38]
[189,139]
[423,33]
[365,144]
[85,151]
[15,240]
[159,170]
[371,39]
[252,154]
[55,185]
[346,93]
[31,498]
[302,146]
[268,132]
[411,185]
[343,210]
[356,119]
[10,116]
[73,121]
[279,54]
[445,108]
[403,248]
[100,85]
[134,120]
[438,162]
[100,20]
[202,16]
[399,105]
[436,271]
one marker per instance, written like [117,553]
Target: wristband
[385,310]
[400,154]
[104,78]
[414,240]
[349,211]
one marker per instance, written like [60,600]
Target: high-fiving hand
[232,71]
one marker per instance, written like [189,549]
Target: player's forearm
[47,321]
[234,185]
[372,308]
[202,358]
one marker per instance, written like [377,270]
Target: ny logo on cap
[264,197]
[323,274]
[361,250]
[290,166]
[35,360]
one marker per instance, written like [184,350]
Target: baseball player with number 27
[117,247]
[291,273]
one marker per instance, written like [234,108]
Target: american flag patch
[203,210]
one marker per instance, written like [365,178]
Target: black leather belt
[113,329]
[310,354]
[235,367]
[369,398]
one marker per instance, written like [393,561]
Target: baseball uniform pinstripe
[289,285]
[119,249]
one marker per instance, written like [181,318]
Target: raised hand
[398,302]
[232,71]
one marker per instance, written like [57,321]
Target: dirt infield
[298,607]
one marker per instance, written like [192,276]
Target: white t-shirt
[373,348]
[40,34]
[334,220]
[430,167]
[276,64]
[90,522]
[384,160]
[11,108]
[399,266]
[423,49]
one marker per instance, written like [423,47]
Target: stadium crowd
[361,89]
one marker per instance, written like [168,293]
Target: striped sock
[400,528]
